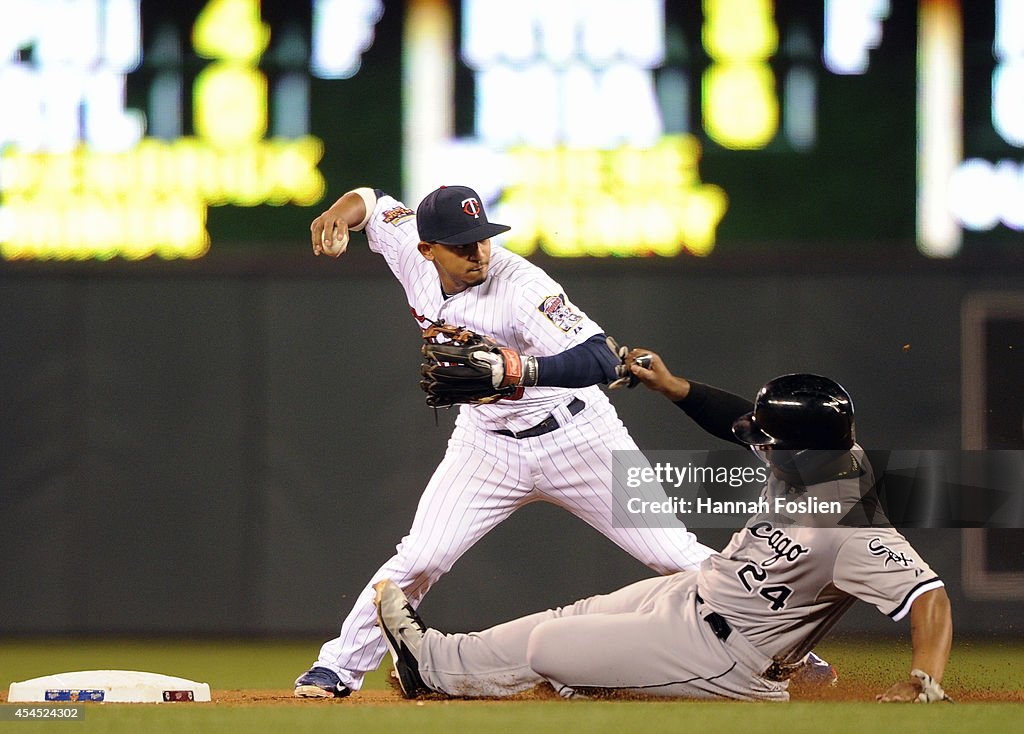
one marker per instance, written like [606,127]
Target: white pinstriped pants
[483,478]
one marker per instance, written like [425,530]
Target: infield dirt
[853,692]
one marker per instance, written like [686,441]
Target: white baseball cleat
[403,632]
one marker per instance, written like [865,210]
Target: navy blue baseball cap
[454,215]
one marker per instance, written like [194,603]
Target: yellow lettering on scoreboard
[230,104]
[625,201]
[230,95]
[231,30]
[150,200]
[740,105]
[151,197]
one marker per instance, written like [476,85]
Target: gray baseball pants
[648,638]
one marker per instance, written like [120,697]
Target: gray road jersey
[785,579]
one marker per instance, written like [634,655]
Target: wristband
[513,368]
[369,201]
[531,371]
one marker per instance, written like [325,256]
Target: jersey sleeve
[880,567]
[391,231]
[547,320]
[715,410]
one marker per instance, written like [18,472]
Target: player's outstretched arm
[329,231]
[931,632]
[711,408]
[656,376]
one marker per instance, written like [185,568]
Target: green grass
[222,664]
[973,665]
[546,717]
[273,665]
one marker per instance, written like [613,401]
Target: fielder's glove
[461,366]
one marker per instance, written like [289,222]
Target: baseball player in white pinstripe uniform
[554,443]
[741,625]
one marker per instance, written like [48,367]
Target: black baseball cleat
[403,631]
[320,682]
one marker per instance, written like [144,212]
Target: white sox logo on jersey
[784,547]
[472,207]
[877,548]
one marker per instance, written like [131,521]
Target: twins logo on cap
[472,207]
[454,215]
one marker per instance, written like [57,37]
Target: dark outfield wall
[236,451]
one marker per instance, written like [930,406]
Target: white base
[113,686]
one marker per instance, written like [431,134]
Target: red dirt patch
[846,691]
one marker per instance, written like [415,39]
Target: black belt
[717,623]
[547,425]
[778,671]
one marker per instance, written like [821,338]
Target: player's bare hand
[329,233]
[903,692]
[650,369]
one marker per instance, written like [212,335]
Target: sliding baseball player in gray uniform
[740,625]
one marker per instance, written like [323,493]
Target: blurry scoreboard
[125,123]
[135,129]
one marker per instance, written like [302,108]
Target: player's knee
[428,564]
[541,650]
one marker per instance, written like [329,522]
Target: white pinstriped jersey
[519,306]
[783,583]
[485,476]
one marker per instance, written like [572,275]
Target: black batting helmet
[799,411]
